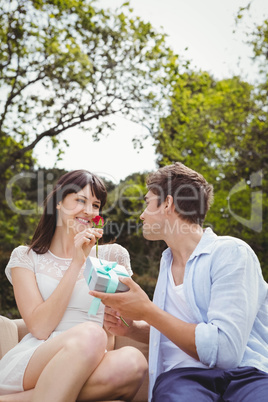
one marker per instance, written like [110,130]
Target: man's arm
[136,305]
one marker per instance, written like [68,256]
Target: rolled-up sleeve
[206,339]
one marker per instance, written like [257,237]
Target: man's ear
[169,204]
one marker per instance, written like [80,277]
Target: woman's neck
[62,244]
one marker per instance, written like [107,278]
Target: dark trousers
[245,384]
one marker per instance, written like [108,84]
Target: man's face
[153,218]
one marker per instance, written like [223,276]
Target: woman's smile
[83,221]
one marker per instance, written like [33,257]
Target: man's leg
[188,385]
[247,384]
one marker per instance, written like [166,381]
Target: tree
[66,63]
[220,128]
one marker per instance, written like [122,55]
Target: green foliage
[220,128]
[66,63]
[206,122]
[19,214]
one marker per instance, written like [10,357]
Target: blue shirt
[228,296]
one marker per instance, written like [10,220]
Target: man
[209,317]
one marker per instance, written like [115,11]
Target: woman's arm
[42,317]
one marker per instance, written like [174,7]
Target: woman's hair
[192,194]
[69,183]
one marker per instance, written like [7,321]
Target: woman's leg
[118,376]
[59,368]
[25,396]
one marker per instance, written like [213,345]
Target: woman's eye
[81,200]
[96,206]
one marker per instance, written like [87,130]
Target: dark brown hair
[69,183]
[192,194]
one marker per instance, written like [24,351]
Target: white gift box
[102,275]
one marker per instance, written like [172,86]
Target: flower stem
[123,321]
[97,248]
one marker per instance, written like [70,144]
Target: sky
[206,29]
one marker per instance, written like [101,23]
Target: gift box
[102,275]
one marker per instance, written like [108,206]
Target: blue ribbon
[109,270]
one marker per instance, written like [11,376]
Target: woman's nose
[88,209]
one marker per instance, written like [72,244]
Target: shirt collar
[204,246]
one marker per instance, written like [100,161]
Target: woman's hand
[83,243]
[114,324]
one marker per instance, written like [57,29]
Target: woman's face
[77,210]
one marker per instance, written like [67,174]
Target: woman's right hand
[114,324]
[83,243]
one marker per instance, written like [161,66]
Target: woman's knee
[135,369]
[86,338]
[132,370]
[136,363]
[119,376]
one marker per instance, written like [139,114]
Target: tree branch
[52,132]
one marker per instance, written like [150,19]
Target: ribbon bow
[107,269]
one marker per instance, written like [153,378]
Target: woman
[64,357]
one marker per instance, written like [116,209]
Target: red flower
[98,221]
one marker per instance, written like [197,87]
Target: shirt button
[155,344]
[152,372]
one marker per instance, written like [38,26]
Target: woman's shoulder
[114,249]
[23,251]
[20,251]
[21,248]
[23,254]
[21,257]
[116,252]
[112,246]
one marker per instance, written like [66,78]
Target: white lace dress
[49,270]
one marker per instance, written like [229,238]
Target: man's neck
[183,242]
[182,246]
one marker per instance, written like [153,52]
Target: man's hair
[192,194]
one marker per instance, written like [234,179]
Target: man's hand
[114,324]
[133,304]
